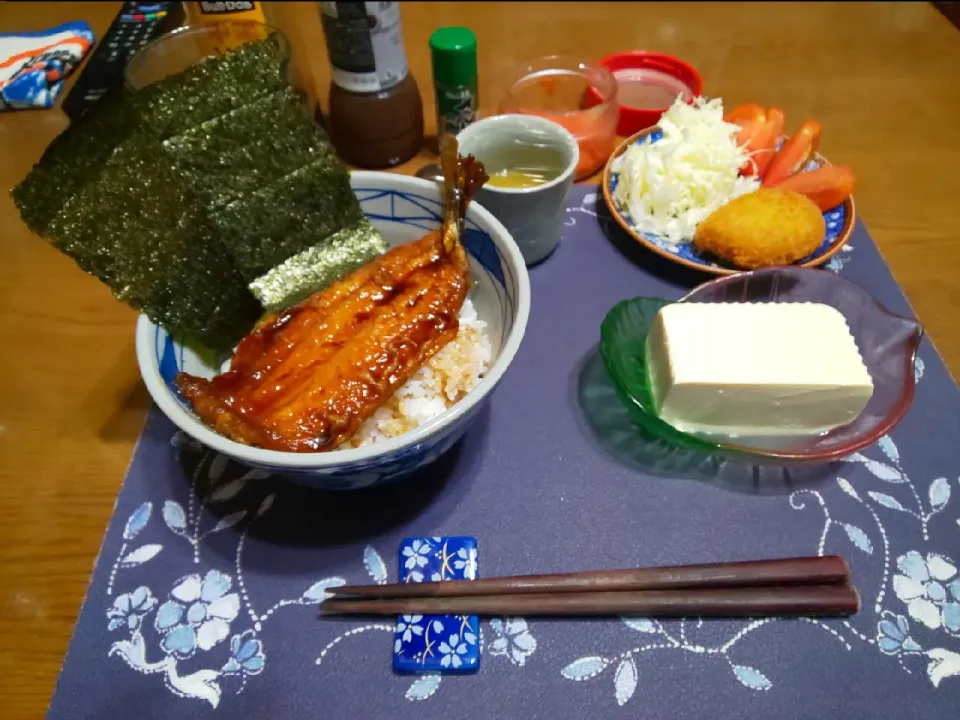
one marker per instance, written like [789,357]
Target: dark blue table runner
[202,602]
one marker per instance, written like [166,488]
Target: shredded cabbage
[672,185]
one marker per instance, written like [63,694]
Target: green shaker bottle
[453,54]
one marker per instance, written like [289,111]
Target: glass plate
[887,342]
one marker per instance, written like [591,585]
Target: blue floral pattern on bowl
[836,220]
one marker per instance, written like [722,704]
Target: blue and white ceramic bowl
[403,209]
[839,221]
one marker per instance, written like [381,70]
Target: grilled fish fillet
[305,379]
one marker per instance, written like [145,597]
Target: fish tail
[462,178]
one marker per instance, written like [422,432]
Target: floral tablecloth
[202,602]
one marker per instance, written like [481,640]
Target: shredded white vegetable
[672,185]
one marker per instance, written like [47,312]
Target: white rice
[446,378]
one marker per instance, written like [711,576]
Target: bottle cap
[453,54]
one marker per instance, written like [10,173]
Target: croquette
[762,229]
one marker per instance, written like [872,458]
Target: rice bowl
[400,439]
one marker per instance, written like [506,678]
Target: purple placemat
[202,601]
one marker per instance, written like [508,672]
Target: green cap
[453,53]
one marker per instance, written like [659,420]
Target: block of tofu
[755,369]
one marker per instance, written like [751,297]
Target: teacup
[533,215]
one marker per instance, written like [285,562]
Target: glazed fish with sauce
[305,379]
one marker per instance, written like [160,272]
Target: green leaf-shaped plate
[623,336]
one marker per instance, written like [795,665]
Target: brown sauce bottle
[376,114]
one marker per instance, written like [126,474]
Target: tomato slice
[748,112]
[763,146]
[778,118]
[794,154]
[750,118]
[827,186]
[763,154]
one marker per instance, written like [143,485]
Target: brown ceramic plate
[839,220]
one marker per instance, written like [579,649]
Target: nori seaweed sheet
[298,277]
[175,104]
[90,225]
[245,181]
[233,155]
[73,158]
[213,87]
[263,229]
[142,233]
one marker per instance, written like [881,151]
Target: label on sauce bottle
[230,8]
[365,44]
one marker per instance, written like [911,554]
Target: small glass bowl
[580,96]
[887,342]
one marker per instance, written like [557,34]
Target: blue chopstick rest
[447,644]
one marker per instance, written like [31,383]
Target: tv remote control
[135,25]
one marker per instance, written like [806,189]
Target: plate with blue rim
[839,221]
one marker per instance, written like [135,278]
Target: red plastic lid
[649,82]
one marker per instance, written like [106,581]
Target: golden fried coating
[762,229]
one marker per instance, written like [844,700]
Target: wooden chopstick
[769,601]
[824,570]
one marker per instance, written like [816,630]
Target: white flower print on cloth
[930,588]
[928,583]
[836,263]
[910,586]
[203,607]
[246,655]
[893,635]
[513,640]
[199,615]
[129,608]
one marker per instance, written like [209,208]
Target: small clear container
[578,95]
[186,46]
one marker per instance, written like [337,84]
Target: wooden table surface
[881,78]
